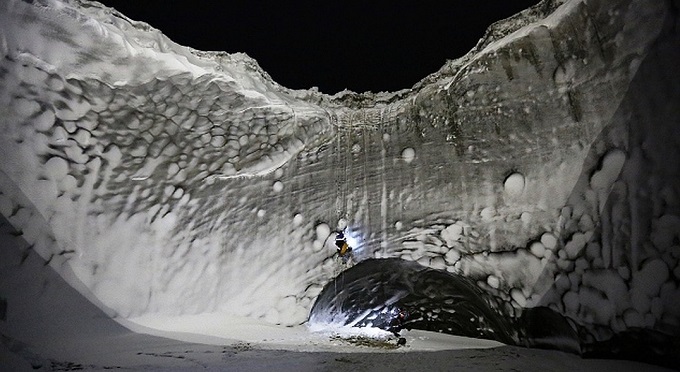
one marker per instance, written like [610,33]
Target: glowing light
[352,240]
[347,331]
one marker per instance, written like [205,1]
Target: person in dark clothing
[344,250]
[397,324]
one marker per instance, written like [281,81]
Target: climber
[397,324]
[344,250]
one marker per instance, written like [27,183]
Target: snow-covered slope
[163,180]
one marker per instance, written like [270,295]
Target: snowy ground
[220,329]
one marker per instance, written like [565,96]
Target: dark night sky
[359,45]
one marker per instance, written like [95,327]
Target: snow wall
[542,167]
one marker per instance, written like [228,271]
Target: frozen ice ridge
[541,167]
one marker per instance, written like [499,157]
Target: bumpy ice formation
[541,166]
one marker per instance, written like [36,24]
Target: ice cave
[518,209]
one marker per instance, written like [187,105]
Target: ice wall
[168,180]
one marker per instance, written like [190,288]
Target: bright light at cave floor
[224,329]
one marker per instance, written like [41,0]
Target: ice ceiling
[541,166]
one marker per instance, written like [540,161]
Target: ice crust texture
[542,166]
